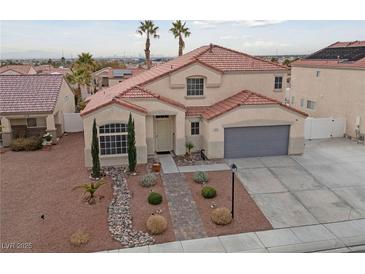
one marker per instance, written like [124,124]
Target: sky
[49,39]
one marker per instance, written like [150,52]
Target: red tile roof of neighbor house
[337,55]
[29,93]
[21,69]
[213,56]
[242,98]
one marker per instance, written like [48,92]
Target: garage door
[240,142]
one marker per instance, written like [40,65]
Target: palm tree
[85,59]
[179,30]
[148,27]
[89,190]
[80,76]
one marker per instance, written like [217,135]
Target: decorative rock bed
[120,217]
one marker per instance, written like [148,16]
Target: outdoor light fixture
[234,169]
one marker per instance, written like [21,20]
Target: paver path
[183,210]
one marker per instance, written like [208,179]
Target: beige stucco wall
[65,104]
[196,140]
[156,107]
[338,93]
[217,86]
[253,116]
[109,114]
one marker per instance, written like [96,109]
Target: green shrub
[200,177]
[155,198]
[208,192]
[26,144]
[148,180]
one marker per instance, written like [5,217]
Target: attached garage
[256,141]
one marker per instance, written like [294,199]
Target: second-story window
[195,86]
[278,82]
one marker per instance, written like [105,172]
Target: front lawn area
[247,216]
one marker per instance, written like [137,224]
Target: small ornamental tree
[132,154]
[95,152]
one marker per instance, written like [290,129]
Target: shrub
[156,224]
[221,216]
[208,192]
[27,144]
[79,238]
[200,177]
[148,180]
[155,198]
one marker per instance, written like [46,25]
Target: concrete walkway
[168,164]
[210,167]
[346,236]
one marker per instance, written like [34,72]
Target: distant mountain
[31,54]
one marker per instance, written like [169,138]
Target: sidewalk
[348,236]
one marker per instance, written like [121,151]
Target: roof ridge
[250,56]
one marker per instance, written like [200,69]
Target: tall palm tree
[85,59]
[148,27]
[179,30]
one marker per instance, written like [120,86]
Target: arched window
[113,139]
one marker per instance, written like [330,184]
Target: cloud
[207,24]
[264,44]
[235,37]
[257,23]
[135,35]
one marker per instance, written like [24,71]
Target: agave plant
[89,190]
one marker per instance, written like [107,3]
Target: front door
[163,133]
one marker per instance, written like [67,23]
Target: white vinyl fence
[320,128]
[73,122]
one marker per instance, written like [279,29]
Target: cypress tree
[132,153]
[95,152]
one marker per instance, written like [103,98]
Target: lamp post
[234,169]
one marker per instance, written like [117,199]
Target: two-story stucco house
[331,83]
[33,105]
[225,102]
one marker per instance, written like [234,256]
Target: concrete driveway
[326,184]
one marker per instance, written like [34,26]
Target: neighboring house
[217,98]
[17,70]
[108,76]
[49,69]
[33,104]
[331,83]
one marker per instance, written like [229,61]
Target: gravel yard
[40,183]
[247,216]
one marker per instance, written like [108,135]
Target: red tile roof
[29,93]
[241,98]
[195,110]
[21,69]
[216,57]
[140,92]
[348,44]
[49,69]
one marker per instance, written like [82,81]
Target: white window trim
[200,96]
[282,83]
[191,128]
[111,134]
